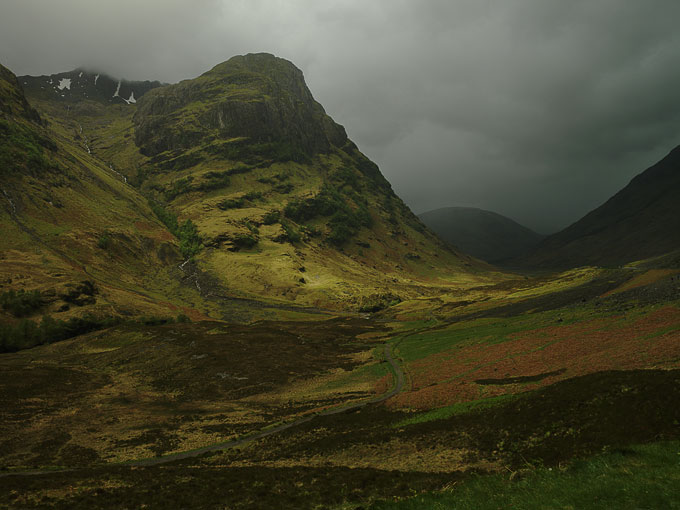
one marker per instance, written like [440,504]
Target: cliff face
[258,97]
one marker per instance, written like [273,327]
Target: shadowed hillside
[640,221]
[483,234]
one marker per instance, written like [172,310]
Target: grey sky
[537,109]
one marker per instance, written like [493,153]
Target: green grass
[641,477]
[487,330]
[460,408]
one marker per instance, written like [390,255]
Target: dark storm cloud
[533,108]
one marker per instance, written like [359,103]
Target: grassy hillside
[232,199]
[512,389]
[74,234]
[482,234]
[281,205]
[640,221]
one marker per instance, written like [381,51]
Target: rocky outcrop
[258,97]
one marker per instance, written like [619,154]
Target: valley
[210,298]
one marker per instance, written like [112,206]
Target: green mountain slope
[72,230]
[267,196]
[640,221]
[483,234]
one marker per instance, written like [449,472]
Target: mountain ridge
[483,234]
[640,221]
[295,216]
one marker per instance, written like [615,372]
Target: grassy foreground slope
[637,477]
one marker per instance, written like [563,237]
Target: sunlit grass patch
[638,477]
[459,408]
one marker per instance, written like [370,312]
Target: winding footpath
[154,461]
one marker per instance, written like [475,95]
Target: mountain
[639,222]
[80,84]
[483,234]
[73,230]
[241,178]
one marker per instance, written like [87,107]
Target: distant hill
[483,234]
[640,221]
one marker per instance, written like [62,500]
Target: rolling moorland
[210,298]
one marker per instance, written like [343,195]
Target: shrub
[290,234]
[190,242]
[214,180]
[271,217]
[21,303]
[377,302]
[26,333]
[232,203]
[179,187]
[245,241]
[104,242]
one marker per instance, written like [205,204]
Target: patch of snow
[115,94]
[95,80]
[80,75]
[65,83]
[132,98]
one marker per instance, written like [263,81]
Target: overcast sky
[536,109]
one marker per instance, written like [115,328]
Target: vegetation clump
[290,234]
[377,302]
[21,303]
[190,243]
[104,241]
[27,333]
[344,222]
[244,241]
[271,217]
[239,202]
[21,149]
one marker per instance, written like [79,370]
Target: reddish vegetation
[576,349]
[383,384]
[150,228]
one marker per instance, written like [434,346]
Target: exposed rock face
[257,96]
[79,85]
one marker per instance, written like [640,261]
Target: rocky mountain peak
[257,97]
